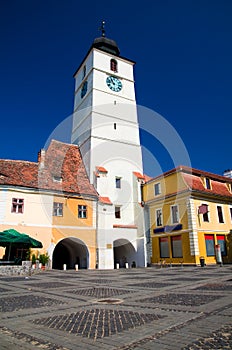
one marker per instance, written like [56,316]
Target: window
[231,213]
[82,211]
[159,219]
[222,242]
[115,126]
[117,212]
[207,183]
[118,182]
[203,209]
[84,72]
[17,205]
[176,247]
[175,214]
[57,178]
[164,248]
[209,243]
[157,189]
[220,214]
[114,65]
[57,209]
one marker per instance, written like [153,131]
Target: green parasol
[12,237]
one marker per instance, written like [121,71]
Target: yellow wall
[37,220]
[186,259]
[70,212]
[69,225]
[170,184]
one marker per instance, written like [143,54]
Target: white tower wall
[105,126]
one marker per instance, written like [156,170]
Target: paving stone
[150,308]
[15,303]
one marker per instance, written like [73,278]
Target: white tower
[105,126]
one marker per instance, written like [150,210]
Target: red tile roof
[101,169]
[195,183]
[61,160]
[105,200]
[147,178]
[138,175]
[194,180]
[193,171]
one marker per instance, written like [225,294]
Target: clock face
[114,83]
[84,89]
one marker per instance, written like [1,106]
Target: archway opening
[124,252]
[70,251]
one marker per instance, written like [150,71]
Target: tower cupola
[106,44]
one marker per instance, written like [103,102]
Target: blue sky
[183,71]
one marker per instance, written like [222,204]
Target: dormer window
[113,65]
[207,183]
[229,186]
[57,178]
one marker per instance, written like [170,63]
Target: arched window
[113,65]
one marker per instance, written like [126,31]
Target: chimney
[41,158]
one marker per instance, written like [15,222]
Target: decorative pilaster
[192,225]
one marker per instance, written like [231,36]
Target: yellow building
[52,201]
[190,215]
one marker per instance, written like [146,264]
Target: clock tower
[105,126]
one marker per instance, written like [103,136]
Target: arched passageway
[70,251]
[124,252]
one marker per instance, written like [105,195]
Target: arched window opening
[113,65]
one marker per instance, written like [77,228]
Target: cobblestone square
[182,308]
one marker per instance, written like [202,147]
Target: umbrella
[13,237]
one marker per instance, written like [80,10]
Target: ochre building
[190,213]
[52,201]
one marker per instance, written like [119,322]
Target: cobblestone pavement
[168,308]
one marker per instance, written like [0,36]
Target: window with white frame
[118,182]
[157,189]
[117,211]
[205,212]
[175,214]
[57,209]
[159,217]
[220,214]
[82,211]
[17,205]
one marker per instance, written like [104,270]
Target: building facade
[190,216]
[53,202]
[105,127]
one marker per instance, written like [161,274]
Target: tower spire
[102,28]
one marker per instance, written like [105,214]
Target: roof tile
[61,159]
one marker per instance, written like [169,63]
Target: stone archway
[70,251]
[124,252]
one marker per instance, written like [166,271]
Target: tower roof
[107,45]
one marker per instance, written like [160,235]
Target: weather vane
[102,28]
